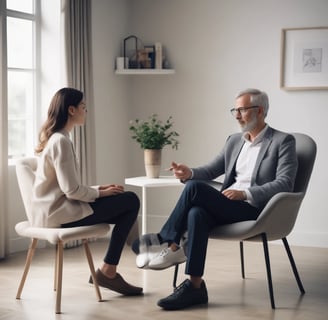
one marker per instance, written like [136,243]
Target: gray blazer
[275,168]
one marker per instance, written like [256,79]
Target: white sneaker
[147,247]
[167,258]
[148,253]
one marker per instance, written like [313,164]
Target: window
[26,6]
[34,68]
[22,64]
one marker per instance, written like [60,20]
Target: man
[258,163]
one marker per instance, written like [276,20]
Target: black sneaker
[184,296]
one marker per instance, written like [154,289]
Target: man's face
[248,119]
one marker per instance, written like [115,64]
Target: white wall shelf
[145,71]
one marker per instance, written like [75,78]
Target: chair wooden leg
[176,271]
[241,246]
[92,268]
[55,271]
[293,264]
[59,275]
[268,268]
[29,258]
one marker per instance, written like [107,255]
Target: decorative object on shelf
[131,45]
[122,63]
[150,51]
[158,55]
[143,56]
[153,135]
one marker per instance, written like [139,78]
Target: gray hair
[258,98]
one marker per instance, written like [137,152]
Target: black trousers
[121,210]
[199,209]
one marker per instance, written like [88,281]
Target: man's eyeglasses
[241,110]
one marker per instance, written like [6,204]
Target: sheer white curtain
[3,134]
[77,34]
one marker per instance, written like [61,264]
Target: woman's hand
[110,190]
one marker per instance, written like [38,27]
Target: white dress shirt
[246,163]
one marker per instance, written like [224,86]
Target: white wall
[217,47]
[111,101]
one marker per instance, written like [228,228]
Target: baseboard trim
[22,244]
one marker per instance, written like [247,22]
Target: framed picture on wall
[304,59]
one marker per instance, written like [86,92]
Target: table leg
[144,210]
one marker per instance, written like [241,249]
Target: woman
[60,200]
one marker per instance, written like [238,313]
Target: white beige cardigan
[58,196]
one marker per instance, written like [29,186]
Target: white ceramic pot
[153,159]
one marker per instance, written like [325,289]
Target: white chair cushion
[53,235]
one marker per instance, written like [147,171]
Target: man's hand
[234,194]
[180,171]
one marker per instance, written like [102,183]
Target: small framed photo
[304,59]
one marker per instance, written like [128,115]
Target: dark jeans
[199,209]
[121,210]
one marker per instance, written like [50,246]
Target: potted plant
[153,135]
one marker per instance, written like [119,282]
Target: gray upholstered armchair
[278,217]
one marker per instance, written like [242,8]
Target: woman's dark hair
[58,114]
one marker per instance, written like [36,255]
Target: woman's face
[80,113]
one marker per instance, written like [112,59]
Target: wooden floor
[230,297]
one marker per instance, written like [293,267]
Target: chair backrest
[25,172]
[306,150]
[278,217]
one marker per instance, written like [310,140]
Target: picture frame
[304,59]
